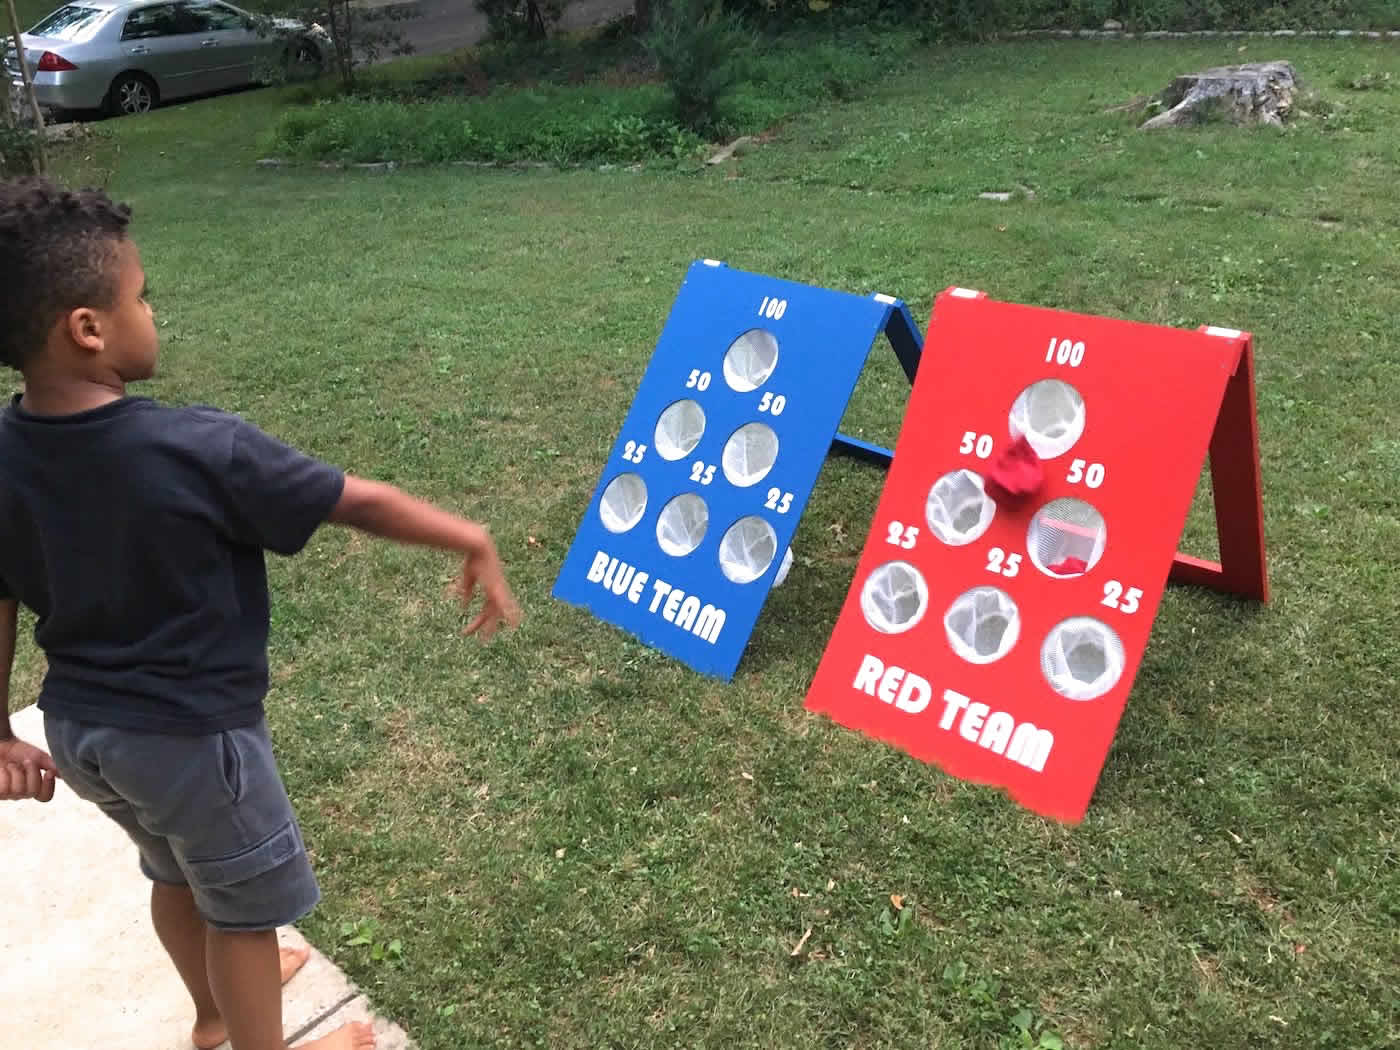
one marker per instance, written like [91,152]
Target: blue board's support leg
[864,451]
[903,334]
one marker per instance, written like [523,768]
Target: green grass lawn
[565,839]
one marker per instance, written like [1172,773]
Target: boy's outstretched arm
[383,510]
[25,771]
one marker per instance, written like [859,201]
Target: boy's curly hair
[57,253]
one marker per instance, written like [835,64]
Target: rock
[379,168]
[1113,25]
[1256,93]
[994,196]
[270,162]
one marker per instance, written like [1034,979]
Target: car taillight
[51,63]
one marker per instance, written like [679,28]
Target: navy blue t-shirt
[136,533]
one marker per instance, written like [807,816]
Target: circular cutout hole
[958,510]
[624,502]
[894,598]
[750,360]
[983,625]
[679,430]
[748,548]
[1082,658]
[682,524]
[1050,413]
[749,454]
[1066,538]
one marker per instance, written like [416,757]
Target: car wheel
[304,60]
[132,93]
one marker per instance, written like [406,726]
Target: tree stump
[1257,93]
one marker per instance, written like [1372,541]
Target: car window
[157,20]
[71,23]
[218,17]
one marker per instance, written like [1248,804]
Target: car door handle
[138,51]
[208,43]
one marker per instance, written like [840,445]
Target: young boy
[136,532]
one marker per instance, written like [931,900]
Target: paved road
[448,25]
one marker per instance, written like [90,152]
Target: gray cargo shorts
[207,812]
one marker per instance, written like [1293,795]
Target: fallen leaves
[801,944]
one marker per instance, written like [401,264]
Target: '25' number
[902,535]
[1115,597]
[1006,564]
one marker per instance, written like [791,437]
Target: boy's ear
[84,328]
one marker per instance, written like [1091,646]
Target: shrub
[520,19]
[973,18]
[541,126]
[702,52]
[18,148]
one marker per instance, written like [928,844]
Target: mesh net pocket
[682,524]
[750,360]
[983,625]
[894,598]
[748,548]
[679,430]
[1050,414]
[1066,538]
[1082,658]
[624,502]
[749,454]
[958,510]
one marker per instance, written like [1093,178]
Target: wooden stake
[40,161]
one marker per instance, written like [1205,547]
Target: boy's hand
[501,607]
[25,772]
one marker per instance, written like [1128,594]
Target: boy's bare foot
[209,1034]
[355,1036]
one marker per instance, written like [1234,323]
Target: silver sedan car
[125,56]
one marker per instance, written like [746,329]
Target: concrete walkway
[82,967]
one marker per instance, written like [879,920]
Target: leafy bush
[18,148]
[590,127]
[520,19]
[445,114]
[702,52]
[972,18]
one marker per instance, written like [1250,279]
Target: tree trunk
[641,15]
[338,15]
[40,161]
[535,28]
[1257,93]
[6,101]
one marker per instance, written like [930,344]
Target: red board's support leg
[1239,498]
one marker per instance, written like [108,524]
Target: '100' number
[1065,352]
